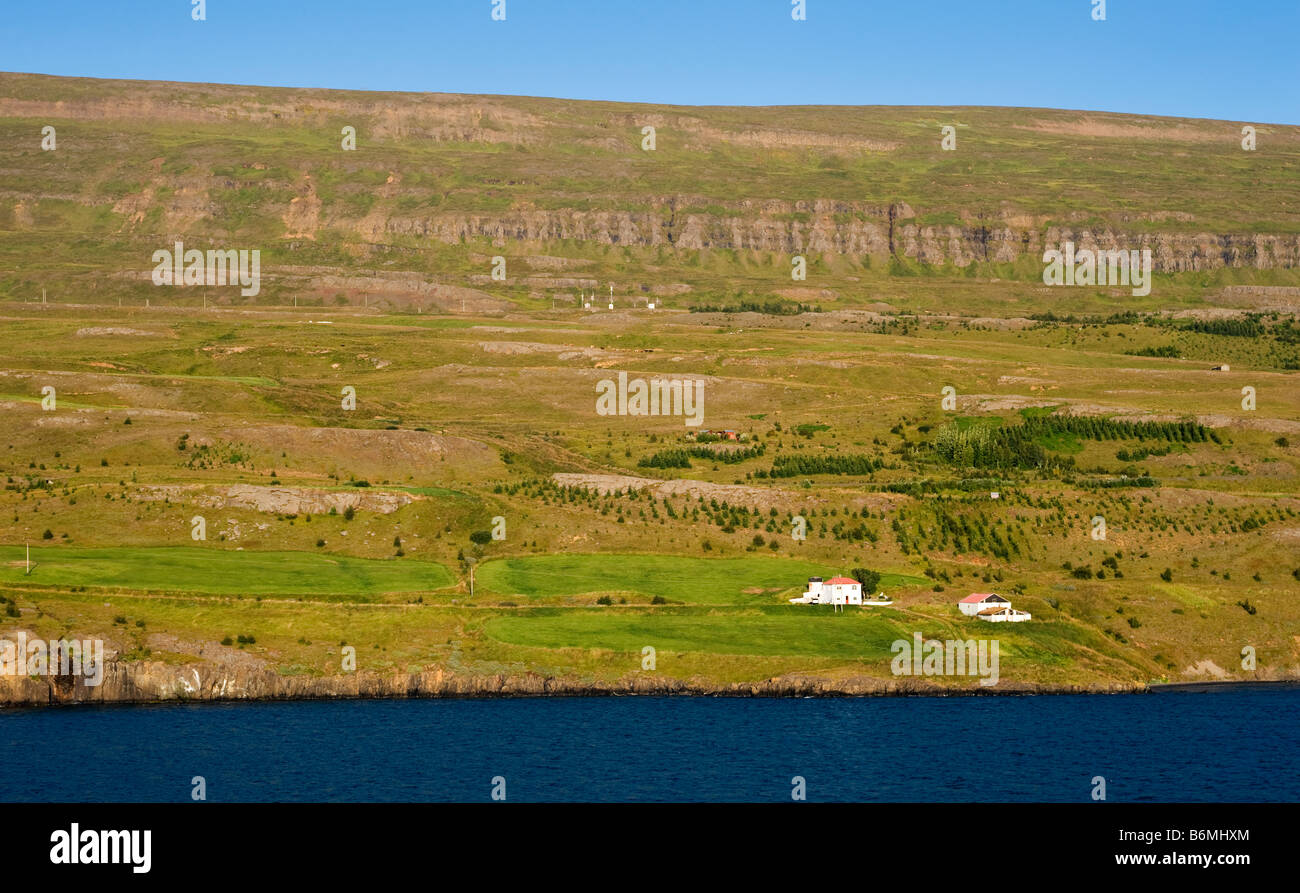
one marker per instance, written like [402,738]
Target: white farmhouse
[1004,615]
[835,591]
[981,601]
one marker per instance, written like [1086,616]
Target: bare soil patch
[282,500]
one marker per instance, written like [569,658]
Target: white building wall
[1007,616]
[844,594]
[973,608]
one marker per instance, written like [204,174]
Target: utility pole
[29,561]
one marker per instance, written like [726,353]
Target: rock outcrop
[827,232]
[129,682]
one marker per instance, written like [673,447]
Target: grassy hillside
[438,185]
[476,413]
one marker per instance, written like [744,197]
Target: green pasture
[705,581]
[222,571]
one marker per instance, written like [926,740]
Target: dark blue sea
[1224,746]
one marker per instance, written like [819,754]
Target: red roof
[975,597]
[834,580]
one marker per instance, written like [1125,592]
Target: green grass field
[697,581]
[863,635]
[222,571]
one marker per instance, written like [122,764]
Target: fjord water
[1233,746]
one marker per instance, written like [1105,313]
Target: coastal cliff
[135,682]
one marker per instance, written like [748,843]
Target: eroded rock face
[154,681]
[871,235]
[281,500]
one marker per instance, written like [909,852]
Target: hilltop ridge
[564,190]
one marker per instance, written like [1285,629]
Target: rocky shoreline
[149,682]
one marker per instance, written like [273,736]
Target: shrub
[869,579]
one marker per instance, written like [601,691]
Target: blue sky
[1228,59]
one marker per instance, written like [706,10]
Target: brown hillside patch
[1092,126]
[302,219]
[282,500]
[732,494]
[361,448]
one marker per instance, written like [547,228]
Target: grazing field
[223,572]
[389,452]
[722,581]
[865,636]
